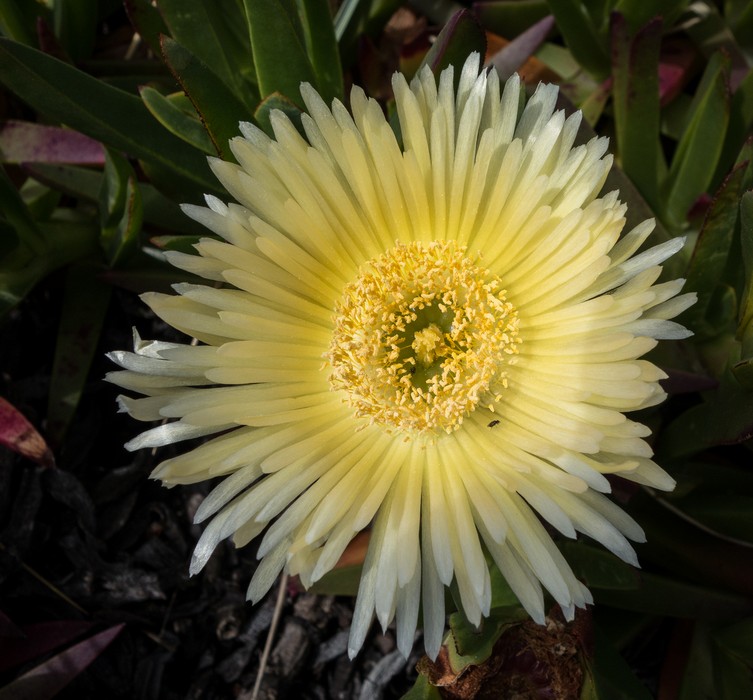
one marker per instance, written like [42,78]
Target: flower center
[421,338]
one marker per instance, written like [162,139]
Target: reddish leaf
[38,639]
[48,679]
[25,142]
[21,436]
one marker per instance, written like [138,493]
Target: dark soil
[94,540]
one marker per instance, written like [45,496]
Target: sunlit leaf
[201,29]
[279,47]
[423,690]
[102,112]
[319,31]
[219,109]
[177,121]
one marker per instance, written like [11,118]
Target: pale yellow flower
[439,337]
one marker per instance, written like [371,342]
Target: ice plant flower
[438,335]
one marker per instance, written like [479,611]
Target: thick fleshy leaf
[679,545]
[121,212]
[14,211]
[510,58]
[102,112]
[19,435]
[423,690]
[659,595]
[177,121]
[49,678]
[218,107]
[319,30]
[17,23]
[459,37]
[639,12]
[725,418]
[82,182]
[582,36]
[75,25]
[706,269]
[207,30]
[740,123]
[38,639]
[85,303]
[281,57]
[699,149]
[26,142]
[598,568]
[273,102]
[635,88]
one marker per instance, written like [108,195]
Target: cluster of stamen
[421,338]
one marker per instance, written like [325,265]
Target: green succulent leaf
[207,31]
[319,30]
[423,690]
[276,101]
[121,211]
[219,109]
[178,121]
[102,112]
[699,148]
[279,46]
[635,89]
[582,36]
[710,256]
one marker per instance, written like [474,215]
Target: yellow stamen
[421,338]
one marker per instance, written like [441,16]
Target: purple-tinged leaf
[39,639]
[48,679]
[26,142]
[508,59]
[21,436]
[676,63]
